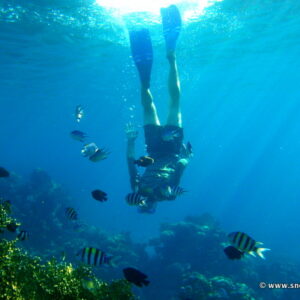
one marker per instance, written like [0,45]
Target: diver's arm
[131,134]
[180,167]
[133,174]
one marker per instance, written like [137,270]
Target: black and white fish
[23,235]
[71,213]
[4,172]
[78,135]
[233,253]
[244,243]
[135,199]
[79,113]
[177,191]
[136,277]
[94,256]
[99,154]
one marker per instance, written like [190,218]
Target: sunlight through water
[192,8]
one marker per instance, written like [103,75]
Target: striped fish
[135,199]
[23,235]
[177,191]
[93,256]
[71,213]
[246,244]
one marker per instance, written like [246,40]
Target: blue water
[239,67]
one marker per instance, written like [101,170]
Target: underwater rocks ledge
[187,260]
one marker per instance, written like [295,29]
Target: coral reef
[187,260]
[26,277]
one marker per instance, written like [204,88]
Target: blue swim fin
[142,53]
[171,21]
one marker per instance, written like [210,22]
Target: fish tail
[260,252]
[112,261]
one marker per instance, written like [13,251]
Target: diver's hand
[131,132]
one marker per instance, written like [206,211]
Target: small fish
[135,199]
[233,253]
[100,154]
[94,256]
[78,135]
[89,149]
[4,172]
[144,161]
[79,113]
[177,191]
[12,227]
[170,134]
[246,244]
[136,277]
[99,195]
[71,213]
[23,235]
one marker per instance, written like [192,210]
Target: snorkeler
[161,179]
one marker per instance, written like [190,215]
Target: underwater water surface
[239,69]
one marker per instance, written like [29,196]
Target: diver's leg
[171,21]
[174,116]
[150,114]
[142,54]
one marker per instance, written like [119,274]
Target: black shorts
[155,143]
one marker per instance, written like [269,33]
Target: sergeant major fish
[233,253]
[71,213]
[135,199]
[246,244]
[94,256]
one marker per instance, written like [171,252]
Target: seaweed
[26,277]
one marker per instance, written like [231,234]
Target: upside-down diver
[161,179]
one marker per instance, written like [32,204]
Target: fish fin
[260,252]
[252,253]
[259,243]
